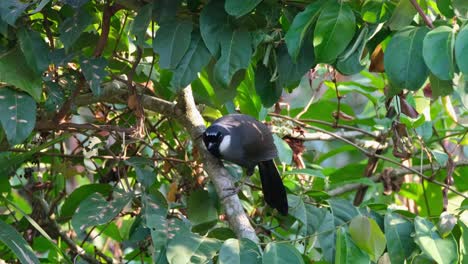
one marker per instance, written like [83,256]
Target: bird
[247,142]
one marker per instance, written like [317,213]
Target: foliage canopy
[101,106]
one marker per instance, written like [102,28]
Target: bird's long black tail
[273,188]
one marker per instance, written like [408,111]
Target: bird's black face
[212,138]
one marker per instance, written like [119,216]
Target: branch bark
[188,114]
[376,177]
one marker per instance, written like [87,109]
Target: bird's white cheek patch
[225,143]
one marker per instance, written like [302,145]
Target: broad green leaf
[35,50]
[461,49]
[18,114]
[302,23]
[350,62]
[445,7]
[247,99]
[290,72]
[461,8]
[15,241]
[213,25]
[11,10]
[403,60]
[443,251]
[94,72]
[14,70]
[201,209]
[235,251]
[367,235]
[171,42]
[78,195]
[268,90]
[347,251]
[96,210]
[187,247]
[165,10]
[144,169]
[40,6]
[440,87]
[276,253]
[71,29]
[463,242]
[284,150]
[239,8]
[402,16]
[400,244]
[334,30]
[140,23]
[236,51]
[374,11]
[311,172]
[155,212]
[342,210]
[438,48]
[440,156]
[193,62]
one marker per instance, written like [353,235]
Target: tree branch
[188,114]
[422,14]
[376,177]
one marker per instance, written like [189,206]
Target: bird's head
[216,139]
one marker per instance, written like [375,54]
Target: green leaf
[94,71]
[302,23]
[155,212]
[398,231]
[268,90]
[445,7]
[14,70]
[35,50]
[95,210]
[290,72]
[75,3]
[239,8]
[440,87]
[187,247]
[193,62]
[334,30]
[438,52]
[284,150]
[443,251]
[18,115]
[343,211]
[374,11]
[276,253]
[402,15]
[140,23]
[247,99]
[78,195]
[351,61]
[71,29]
[201,209]
[14,241]
[403,60]
[171,42]
[236,51]
[367,235]
[347,251]
[463,242]
[213,25]
[461,8]
[461,49]
[10,10]
[235,251]
[144,169]
[440,156]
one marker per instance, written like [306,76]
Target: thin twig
[422,14]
